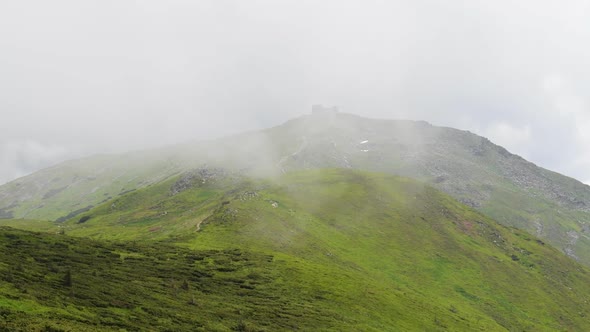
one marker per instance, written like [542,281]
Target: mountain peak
[318,109]
[469,167]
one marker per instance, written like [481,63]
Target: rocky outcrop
[200,177]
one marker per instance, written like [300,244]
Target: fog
[85,77]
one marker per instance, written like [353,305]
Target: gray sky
[80,77]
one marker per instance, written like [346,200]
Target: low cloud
[19,158]
[112,76]
[518,140]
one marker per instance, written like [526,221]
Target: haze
[85,77]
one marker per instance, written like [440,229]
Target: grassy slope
[470,168]
[55,192]
[375,251]
[118,287]
[32,225]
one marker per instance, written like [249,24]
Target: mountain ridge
[471,168]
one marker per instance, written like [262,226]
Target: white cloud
[569,106]
[565,102]
[18,158]
[516,139]
[112,76]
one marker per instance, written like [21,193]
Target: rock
[199,177]
[248,195]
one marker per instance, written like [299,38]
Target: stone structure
[321,109]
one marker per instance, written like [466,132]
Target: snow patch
[364,142]
[365,150]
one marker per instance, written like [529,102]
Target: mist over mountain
[80,78]
[471,168]
[160,169]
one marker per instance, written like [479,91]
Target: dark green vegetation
[60,283]
[468,167]
[316,250]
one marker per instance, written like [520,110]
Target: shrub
[68,279]
[83,219]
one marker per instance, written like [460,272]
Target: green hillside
[350,251]
[78,185]
[59,283]
[470,168]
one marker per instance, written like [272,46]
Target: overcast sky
[81,77]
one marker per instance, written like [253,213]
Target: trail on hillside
[202,220]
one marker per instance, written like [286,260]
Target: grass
[350,251]
[470,168]
[147,287]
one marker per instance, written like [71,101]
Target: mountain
[325,250]
[469,167]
